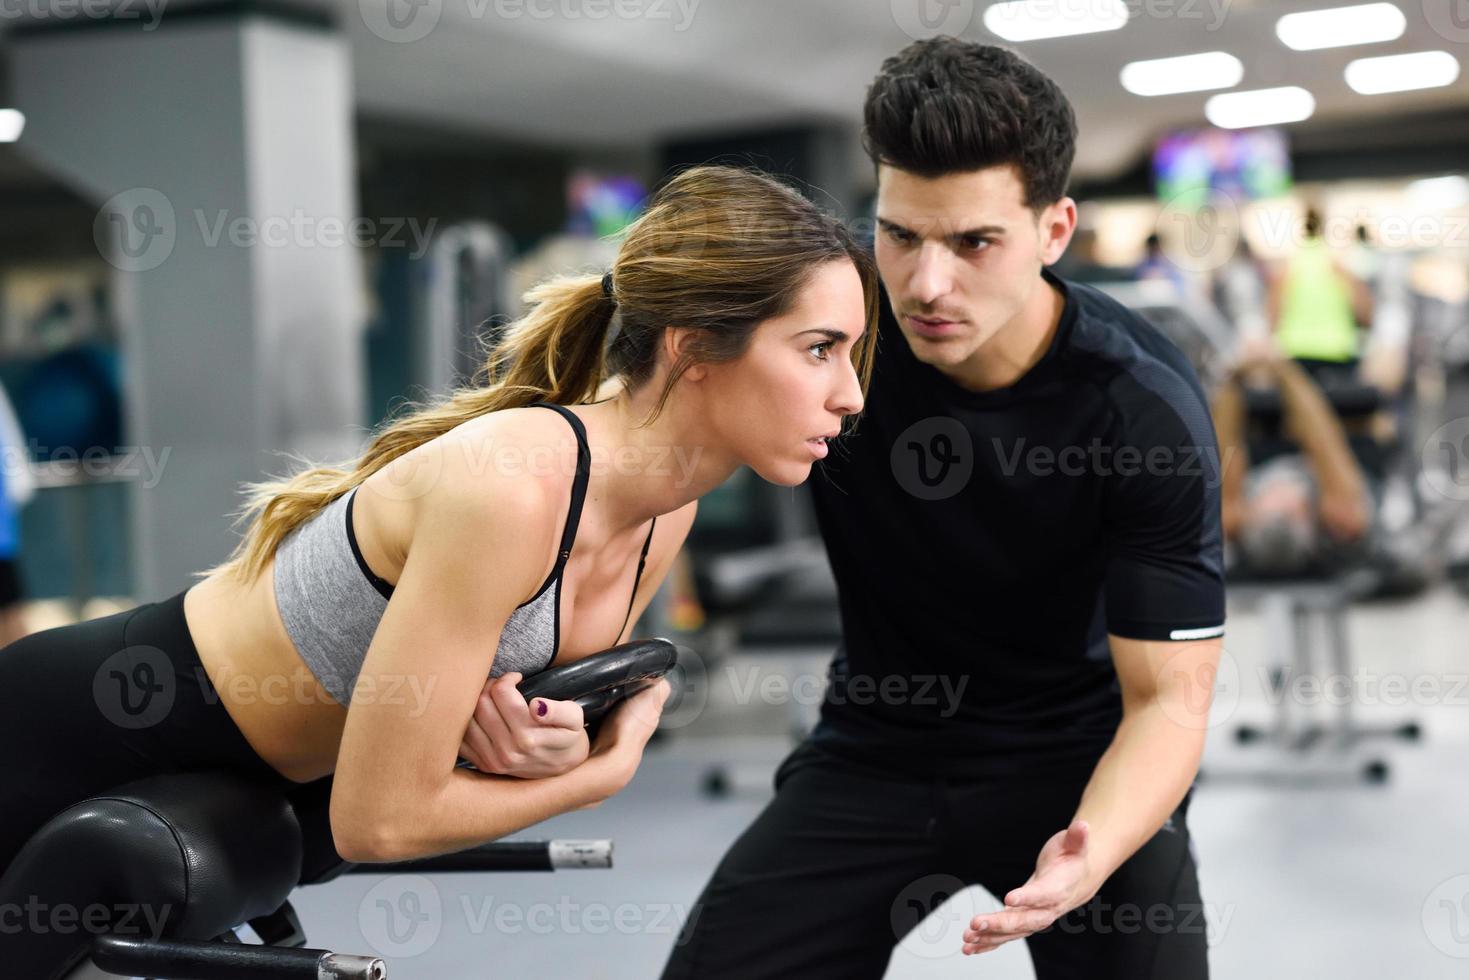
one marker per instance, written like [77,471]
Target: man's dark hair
[944,106]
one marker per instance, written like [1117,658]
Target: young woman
[516,525]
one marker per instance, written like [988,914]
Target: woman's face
[776,404]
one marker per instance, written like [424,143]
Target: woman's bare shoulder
[503,471]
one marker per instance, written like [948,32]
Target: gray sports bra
[331,601]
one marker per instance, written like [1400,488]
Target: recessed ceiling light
[1260,107]
[1185,73]
[1337,27]
[1402,72]
[1034,20]
[12,121]
[1439,193]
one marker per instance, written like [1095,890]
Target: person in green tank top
[1316,304]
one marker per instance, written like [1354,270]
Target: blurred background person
[1297,503]
[1156,265]
[1317,306]
[1240,292]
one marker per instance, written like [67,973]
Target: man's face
[961,256]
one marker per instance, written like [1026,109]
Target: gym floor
[1314,878]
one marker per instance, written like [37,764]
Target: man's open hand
[1062,882]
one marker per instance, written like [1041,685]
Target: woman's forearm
[473,808]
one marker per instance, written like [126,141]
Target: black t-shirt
[985,543]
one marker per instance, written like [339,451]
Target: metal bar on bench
[537,855]
[166,959]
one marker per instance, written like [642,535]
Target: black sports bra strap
[644,556]
[642,560]
[579,485]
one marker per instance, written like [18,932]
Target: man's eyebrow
[982,230]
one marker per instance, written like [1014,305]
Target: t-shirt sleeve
[1165,575]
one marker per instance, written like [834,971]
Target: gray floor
[1341,880]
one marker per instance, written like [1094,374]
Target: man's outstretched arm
[1167,688]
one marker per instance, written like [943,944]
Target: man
[1296,502]
[1025,534]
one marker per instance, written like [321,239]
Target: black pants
[847,860]
[103,702]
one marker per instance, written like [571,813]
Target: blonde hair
[719,250]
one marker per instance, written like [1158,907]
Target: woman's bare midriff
[277,703]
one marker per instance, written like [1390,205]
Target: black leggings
[847,860]
[103,702]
